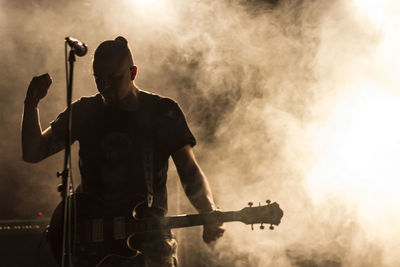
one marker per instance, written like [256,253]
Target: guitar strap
[148,161]
[148,147]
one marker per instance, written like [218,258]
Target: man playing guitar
[123,132]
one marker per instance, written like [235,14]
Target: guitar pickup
[97,230]
[119,228]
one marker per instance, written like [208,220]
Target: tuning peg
[250,204]
[262,227]
[268,201]
[252,228]
[271,227]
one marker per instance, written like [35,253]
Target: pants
[160,253]
[156,250]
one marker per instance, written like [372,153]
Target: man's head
[113,69]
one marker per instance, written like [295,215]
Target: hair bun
[122,40]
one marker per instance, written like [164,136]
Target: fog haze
[292,101]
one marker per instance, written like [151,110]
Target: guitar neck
[268,214]
[181,221]
[199,219]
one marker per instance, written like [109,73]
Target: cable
[117,256]
[37,264]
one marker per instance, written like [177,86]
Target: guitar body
[107,231]
[101,230]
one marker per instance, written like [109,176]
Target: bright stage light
[148,2]
[151,13]
[358,151]
[374,9]
[145,3]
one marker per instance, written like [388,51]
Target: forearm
[31,133]
[198,191]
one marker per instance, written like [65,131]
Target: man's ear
[133,72]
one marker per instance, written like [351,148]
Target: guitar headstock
[268,214]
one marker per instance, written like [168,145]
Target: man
[121,132]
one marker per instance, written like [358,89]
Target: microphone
[79,47]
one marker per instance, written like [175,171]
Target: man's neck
[130,101]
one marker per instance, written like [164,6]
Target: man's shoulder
[88,100]
[162,103]
[87,103]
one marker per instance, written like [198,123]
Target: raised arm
[37,145]
[197,189]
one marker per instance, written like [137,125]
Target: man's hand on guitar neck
[212,231]
[197,189]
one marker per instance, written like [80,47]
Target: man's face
[113,79]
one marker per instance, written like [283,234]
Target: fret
[197,219]
[180,221]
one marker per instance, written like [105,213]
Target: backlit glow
[358,150]
[148,2]
[374,9]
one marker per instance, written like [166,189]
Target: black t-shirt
[111,142]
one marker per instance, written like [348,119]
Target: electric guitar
[103,230]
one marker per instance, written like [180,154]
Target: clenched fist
[37,89]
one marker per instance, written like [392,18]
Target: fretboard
[182,221]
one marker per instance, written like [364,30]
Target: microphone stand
[66,187]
